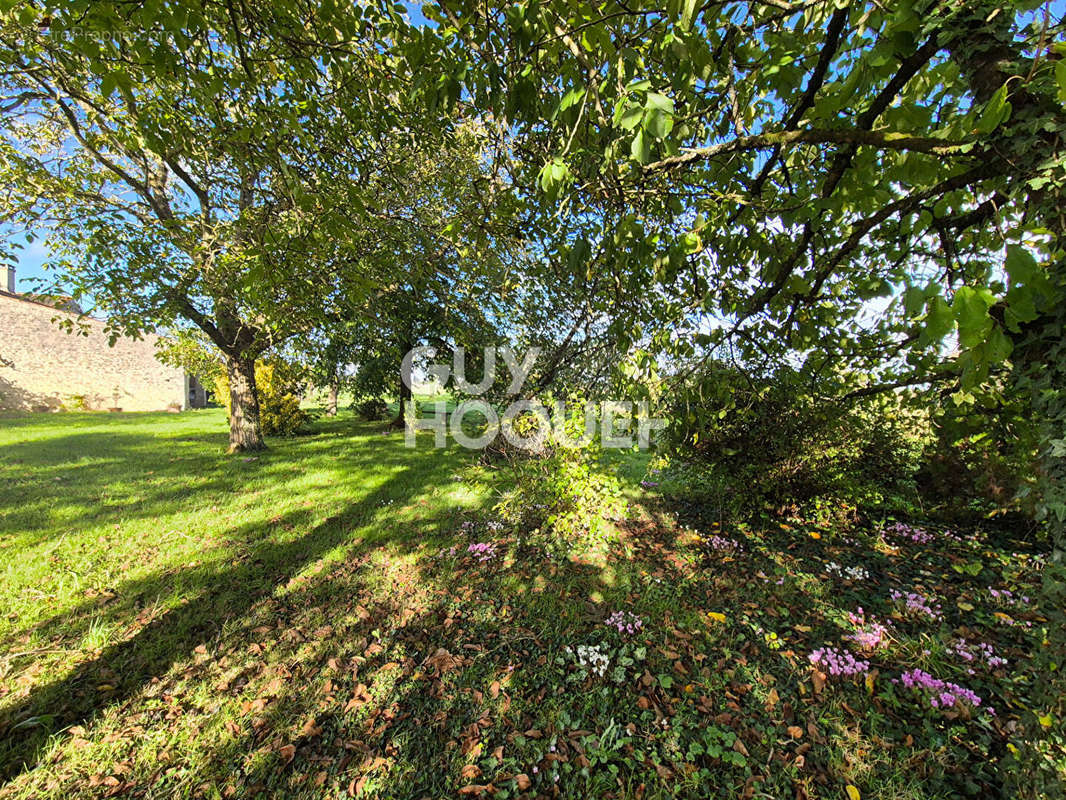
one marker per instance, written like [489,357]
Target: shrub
[983,463]
[278,384]
[564,490]
[372,409]
[752,446]
[77,402]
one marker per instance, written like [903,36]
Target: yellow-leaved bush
[279,386]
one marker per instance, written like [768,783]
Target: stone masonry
[44,368]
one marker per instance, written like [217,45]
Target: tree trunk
[334,390]
[404,395]
[982,47]
[245,431]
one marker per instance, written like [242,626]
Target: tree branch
[885,140]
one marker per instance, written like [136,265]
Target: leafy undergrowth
[471,663]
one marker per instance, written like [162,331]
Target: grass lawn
[312,622]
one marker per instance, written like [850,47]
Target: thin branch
[882,139]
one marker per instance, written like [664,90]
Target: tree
[874,189]
[443,256]
[191,165]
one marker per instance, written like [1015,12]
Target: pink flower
[838,662]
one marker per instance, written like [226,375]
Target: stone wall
[42,367]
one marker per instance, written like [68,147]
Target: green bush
[748,447]
[278,384]
[372,409]
[983,463]
[563,491]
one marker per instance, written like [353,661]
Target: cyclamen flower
[918,535]
[838,662]
[942,694]
[1007,597]
[977,653]
[917,604]
[483,551]
[625,622]
[869,634]
[722,544]
[850,573]
[910,533]
[591,658]
[446,552]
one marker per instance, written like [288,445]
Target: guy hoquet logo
[613,420]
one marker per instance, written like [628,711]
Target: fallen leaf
[818,679]
[853,792]
[470,772]
[772,698]
[287,752]
[795,731]
[717,616]
[522,781]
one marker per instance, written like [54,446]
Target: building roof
[60,302]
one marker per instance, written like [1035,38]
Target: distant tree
[191,350]
[190,164]
[445,259]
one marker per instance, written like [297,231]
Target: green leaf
[995,113]
[913,301]
[971,312]
[570,98]
[938,320]
[688,11]
[629,117]
[641,148]
[999,346]
[657,123]
[660,102]
[1021,307]
[108,84]
[1020,265]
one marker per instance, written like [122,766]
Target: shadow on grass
[91,477]
[213,596]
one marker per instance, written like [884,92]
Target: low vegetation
[342,616]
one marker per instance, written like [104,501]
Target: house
[43,367]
